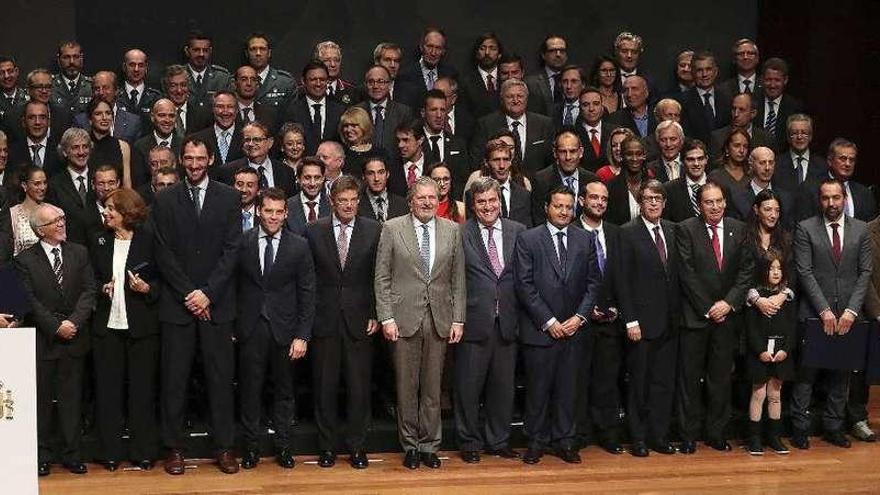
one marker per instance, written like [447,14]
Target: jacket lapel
[475,238]
[408,236]
[550,251]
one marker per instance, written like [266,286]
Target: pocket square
[451,152]
[541,141]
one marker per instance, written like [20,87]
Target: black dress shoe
[533,456]
[358,460]
[639,449]
[719,444]
[411,459]
[470,456]
[250,459]
[284,458]
[43,469]
[800,440]
[111,465]
[570,456]
[504,453]
[327,459]
[664,448]
[144,464]
[430,459]
[837,439]
[76,467]
[612,447]
[688,447]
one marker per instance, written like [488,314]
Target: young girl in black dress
[769,362]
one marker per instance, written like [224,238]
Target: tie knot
[317,107]
[490,228]
[747,83]
[657,230]
[436,138]
[37,147]
[269,238]
[560,235]
[55,250]
[412,167]
[379,108]
[163,144]
[380,200]
[515,124]
[834,225]
[771,103]
[311,203]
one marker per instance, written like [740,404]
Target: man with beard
[205,78]
[545,86]
[311,202]
[246,182]
[71,89]
[480,86]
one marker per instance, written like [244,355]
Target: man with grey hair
[705,106]
[669,138]
[628,49]
[62,299]
[389,55]
[339,89]
[799,164]
[746,58]
[192,115]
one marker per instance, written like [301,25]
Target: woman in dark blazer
[126,331]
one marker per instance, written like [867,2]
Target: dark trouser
[835,404]
[705,353]
[857,405]
[331,356]
[484,367]
[60,380]
[551,388]
[418,365]
[651,365]
[604,383]
[116,356]
[259,352]
[179,345]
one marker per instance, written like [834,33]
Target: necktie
[268,255]
[163,144]
[435,149]
[72,86]
[197,199]
[563,253]
[594,140]
[716,246]
[568,119]
[378,126]
[246,114]
[245,221]
[557,88]
[514,127]
[316,119]
[708,111]
[38,162]
[448,126]
[673,170]
[199,80]
[600,253]
[430,77]
[134,96]
[425,251]
[179,125]
[569,183]
[411,175]
[800,170]
[380,209]
[223,144]
[693,195]
[312,214]
[342,244]
[835,242]
[56,266]
[747,86]
[770,123]
[661,245]
[490,84]
[81,188]
[492,248]
[331,89]
[264,181]
[504,210]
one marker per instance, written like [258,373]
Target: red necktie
[595,142]
[490,83]
[411,175]
[835,243]
[716,245]
[312,215]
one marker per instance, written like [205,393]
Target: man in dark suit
[628,51]
[592,129]
[275,279]
[774,106]
[318,115]
[557,282]
[572,81]
[637,115]
[377,202]
[61,287]
[648,292]
[746,58]
[860,202]
[134,95]
[409,164]
[224,136]
[246,181]
[344,250]
[669,137]
[420,75]
[545,86]
[681,194]
[126,126]
[197,227]
[39,89]
[833,255]
[38,147]
[799,164]
[246,84]
[205,78]
[568,151]
[704,107]
[311,203]
[256,144]
[13,97]
[480,85]
[762,163]
[440,146]
[71,89]
[716,273]
[533,132]
[191,115]
[486,357]
[385,114]
[163,178]
[460,121]
[344,92]
[515,200]
[389,55]
[162,117]
[742,116]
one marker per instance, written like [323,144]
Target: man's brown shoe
[227,462]
[174,463]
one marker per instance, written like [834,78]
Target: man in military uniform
[12,97]
[71,88]
[205,78]
[339,89]
[276,86]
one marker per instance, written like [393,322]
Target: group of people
[565,229]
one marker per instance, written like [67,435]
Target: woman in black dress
[107,149]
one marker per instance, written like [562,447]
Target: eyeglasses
[57,221]
[377,82]
[346,201]
[799,133]
[442,180]
[653,199]
[256,140]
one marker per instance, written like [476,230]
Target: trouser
[706,353]
[551,388]
[604,383]
[857,405]
[651,365]
[60,380]
[834,415]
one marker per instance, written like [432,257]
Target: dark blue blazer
[126,126]
[296,218]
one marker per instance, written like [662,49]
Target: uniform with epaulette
[10,111]
[141,107]
[75,99]
[277,89]
[215,78]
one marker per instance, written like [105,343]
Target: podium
[18,411]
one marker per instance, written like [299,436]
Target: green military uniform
[75,99]
[277,89]
[215,78]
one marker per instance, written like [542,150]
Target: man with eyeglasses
[344,92]
[746,58]
[799,164]
[385,114]
[39,89]
[256,143]
[245,85]
[545,86]
[191,115]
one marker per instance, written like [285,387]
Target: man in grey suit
[833,256]
[486,358]
[385,114]
[546,85]
[420,301]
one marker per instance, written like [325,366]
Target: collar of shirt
[550,73]
[375,197]
[555,230]
[493,72]
[776,101]
[650,225]
[250,209]
[521,120]
[159,138]
[702,92]
[263,234]
[841,224]
[756,188]
[181,110]
[625,74]
[720,226]
[267,164]
[203,185]
[218,131]
[196,73]
[74,175]
[418,223]
[67,81]
[337,222]
[310,102]
[591,128]
[805,155]
[242,106]
[420,164]
[11,95]
[305,199]
[690,183]
[599,230]
[263,75]
[41,142]
[139,88]
[740,78]
[374,104]
[495,226]
[47,248]
[563,176]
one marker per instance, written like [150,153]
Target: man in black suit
[628,51]
[598,396]
[532,131]
[648,291]
[742,116]
[197,227]
[162,117]
[669,137]
[125,125]
[704,107]
[480,86]
[378,203]
[515,200]
[164,178]
[746,58]
[160,158]
[421,74]
[592,129]
[762,163]
[545,86]
[860,202]
[409,164]
[60,284]
[318,115]
[224,136]
[275,279]
[191,114]
[311,203]
[13,97]
[134,95]
[568,151]
[440,146]
[389,55]
[573,80]
[385,114]
[38,147]
[681,194]
[716,273]
[773,104]
[71,89]
[344,250]
[205,78]
[486,357]
[557,282]
[799,164]
[256,144]
[39,89]
[460,120]
[246,84]
[637,115]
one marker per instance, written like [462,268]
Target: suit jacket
[731,86]
[455,154]
[693,118]
[788,106]
[84,220]
[285,297]
[538,145]
[403,294]
[647,289]
[414,82]
[864,204]
[618,199]
[126,125]
[21,156]
[872,296]
[658,166]
[519,209]
[146,192]
[825,283]
[141,107]
[759,137]
[191,248]
[141,310]
[198,116]
[394,114]
[50,306]
[396,207]
[465,123]
[540,94]
[140,158]
[545,291]
[546,180]
[678,201]
[785,177]
[346,301]
[490,296]
[235,144]
[476,97]
[298,112]
[296,216]
[702,282]
[590,160]
[10,113]
[744,198]
[623,118]
[281,173]
[607,296]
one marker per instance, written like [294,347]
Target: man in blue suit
[557,280]
[310,203]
